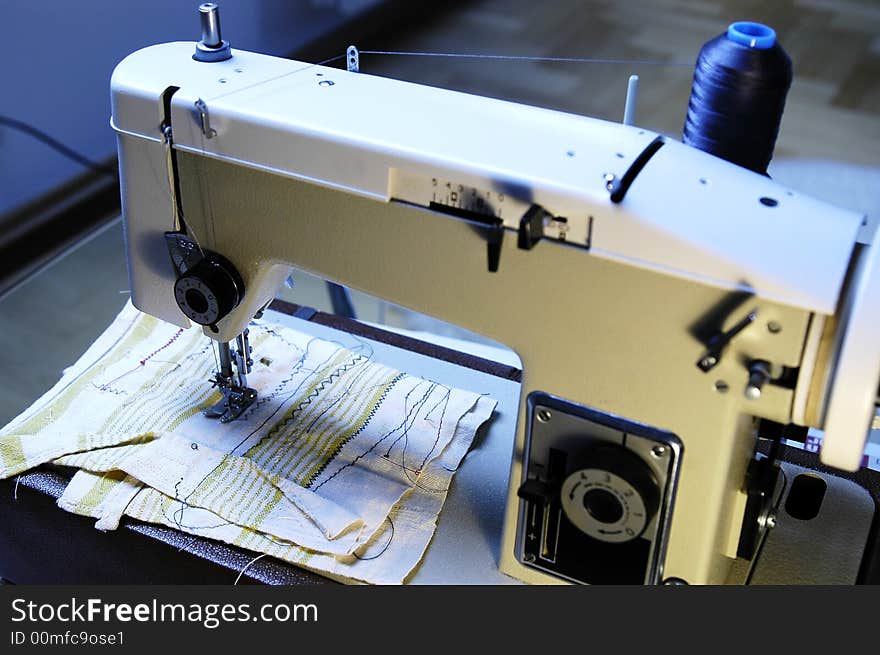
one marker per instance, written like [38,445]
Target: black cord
[58,146]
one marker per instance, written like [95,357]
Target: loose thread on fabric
[383,549]
[247,566]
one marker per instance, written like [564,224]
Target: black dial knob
[209,290]
[612,495]
[603,506]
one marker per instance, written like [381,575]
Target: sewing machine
[668,307]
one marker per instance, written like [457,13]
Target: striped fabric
[341,465]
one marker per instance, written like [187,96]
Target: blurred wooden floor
[832,112]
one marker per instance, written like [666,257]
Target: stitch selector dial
[613,498]
[209,290]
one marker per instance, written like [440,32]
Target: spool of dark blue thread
[738,95]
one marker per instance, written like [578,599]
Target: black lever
[716,345]
[494,240]
[536,491]
[619,187]
[531,227]
[493,225]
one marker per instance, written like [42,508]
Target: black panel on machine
[596,494]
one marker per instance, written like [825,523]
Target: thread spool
[740,83]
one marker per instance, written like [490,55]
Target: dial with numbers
[439,192]
[480,201]
[604,505]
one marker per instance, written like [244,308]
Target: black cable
[58,146]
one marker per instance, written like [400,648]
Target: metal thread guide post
[211,47]
[353,59]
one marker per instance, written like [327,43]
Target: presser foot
[234,402]
[237,396]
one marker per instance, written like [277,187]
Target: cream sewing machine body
[403,191]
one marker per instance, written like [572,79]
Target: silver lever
[205,119]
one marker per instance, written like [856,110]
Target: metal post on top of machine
[211,47]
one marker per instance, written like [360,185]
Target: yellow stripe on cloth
[23,452]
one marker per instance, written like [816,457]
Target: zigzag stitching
[354,434]
[309,399]
[277,391]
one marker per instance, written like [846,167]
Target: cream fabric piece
[338,454]
[104,497]
[388,558]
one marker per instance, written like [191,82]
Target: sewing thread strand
[574,60]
